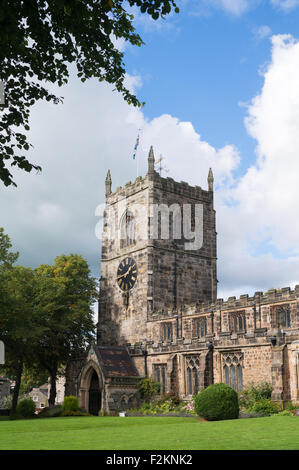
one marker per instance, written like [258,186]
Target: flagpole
[137,160]
[135,154]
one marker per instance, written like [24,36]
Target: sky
[221,85]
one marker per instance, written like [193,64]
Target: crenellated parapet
[168,184]
[154,179]
[129,189]
[272,295]
[244,321]
[182,189]
[285,294]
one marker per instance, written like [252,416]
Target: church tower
[158,253]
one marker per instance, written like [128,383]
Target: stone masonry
[171,322]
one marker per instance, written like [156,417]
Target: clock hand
[126,273]
[118,277]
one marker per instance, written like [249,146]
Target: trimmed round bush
[70,403]
[26,408]
[217,402]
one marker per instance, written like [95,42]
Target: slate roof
[115,361]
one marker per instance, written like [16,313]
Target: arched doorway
[94,395]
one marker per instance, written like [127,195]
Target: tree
[19,322]
[65,294]
[39,38]
[32,377]
[7,258]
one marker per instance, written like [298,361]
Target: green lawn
[149,433]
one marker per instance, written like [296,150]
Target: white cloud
[76,143]
[235,7]
[232,7]
[263,221]
[285,5]
[261,32]
[183,148]
[273,120]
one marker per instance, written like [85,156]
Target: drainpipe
[145,354]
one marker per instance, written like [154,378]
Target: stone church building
[159,315]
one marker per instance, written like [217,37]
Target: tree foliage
[7,258]
[19,322]
[39,38]
[64,298]
[46,316]
[32,377]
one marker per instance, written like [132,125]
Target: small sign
[2,98]
[2,353]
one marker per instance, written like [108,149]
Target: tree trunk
[17,387]
[53,377]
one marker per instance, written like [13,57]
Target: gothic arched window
[237,321]
[283,317]
[226,374]
[233,370]
[127,229]
[195,380]
[166,331]
[200,327]
[189,377]
[240,376]
[160,376]
[192,374]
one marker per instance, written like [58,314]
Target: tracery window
[166,331]
[160,376]
[200,327]
[192,374]
[123,402]
[127,229]
[233,370]
[283,316]
[237,321]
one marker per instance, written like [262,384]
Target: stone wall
[171,320]
[169,275]
[4,389]
[265,350]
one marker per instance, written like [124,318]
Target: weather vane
[159,162]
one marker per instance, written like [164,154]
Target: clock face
[126,274]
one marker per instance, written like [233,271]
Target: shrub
[264,407]
[291,406]
[217,402]
[52,412]
[188,407]
[26,408]
[284,413]
[170,398]
[254,393]
[70,403]
[148,388]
